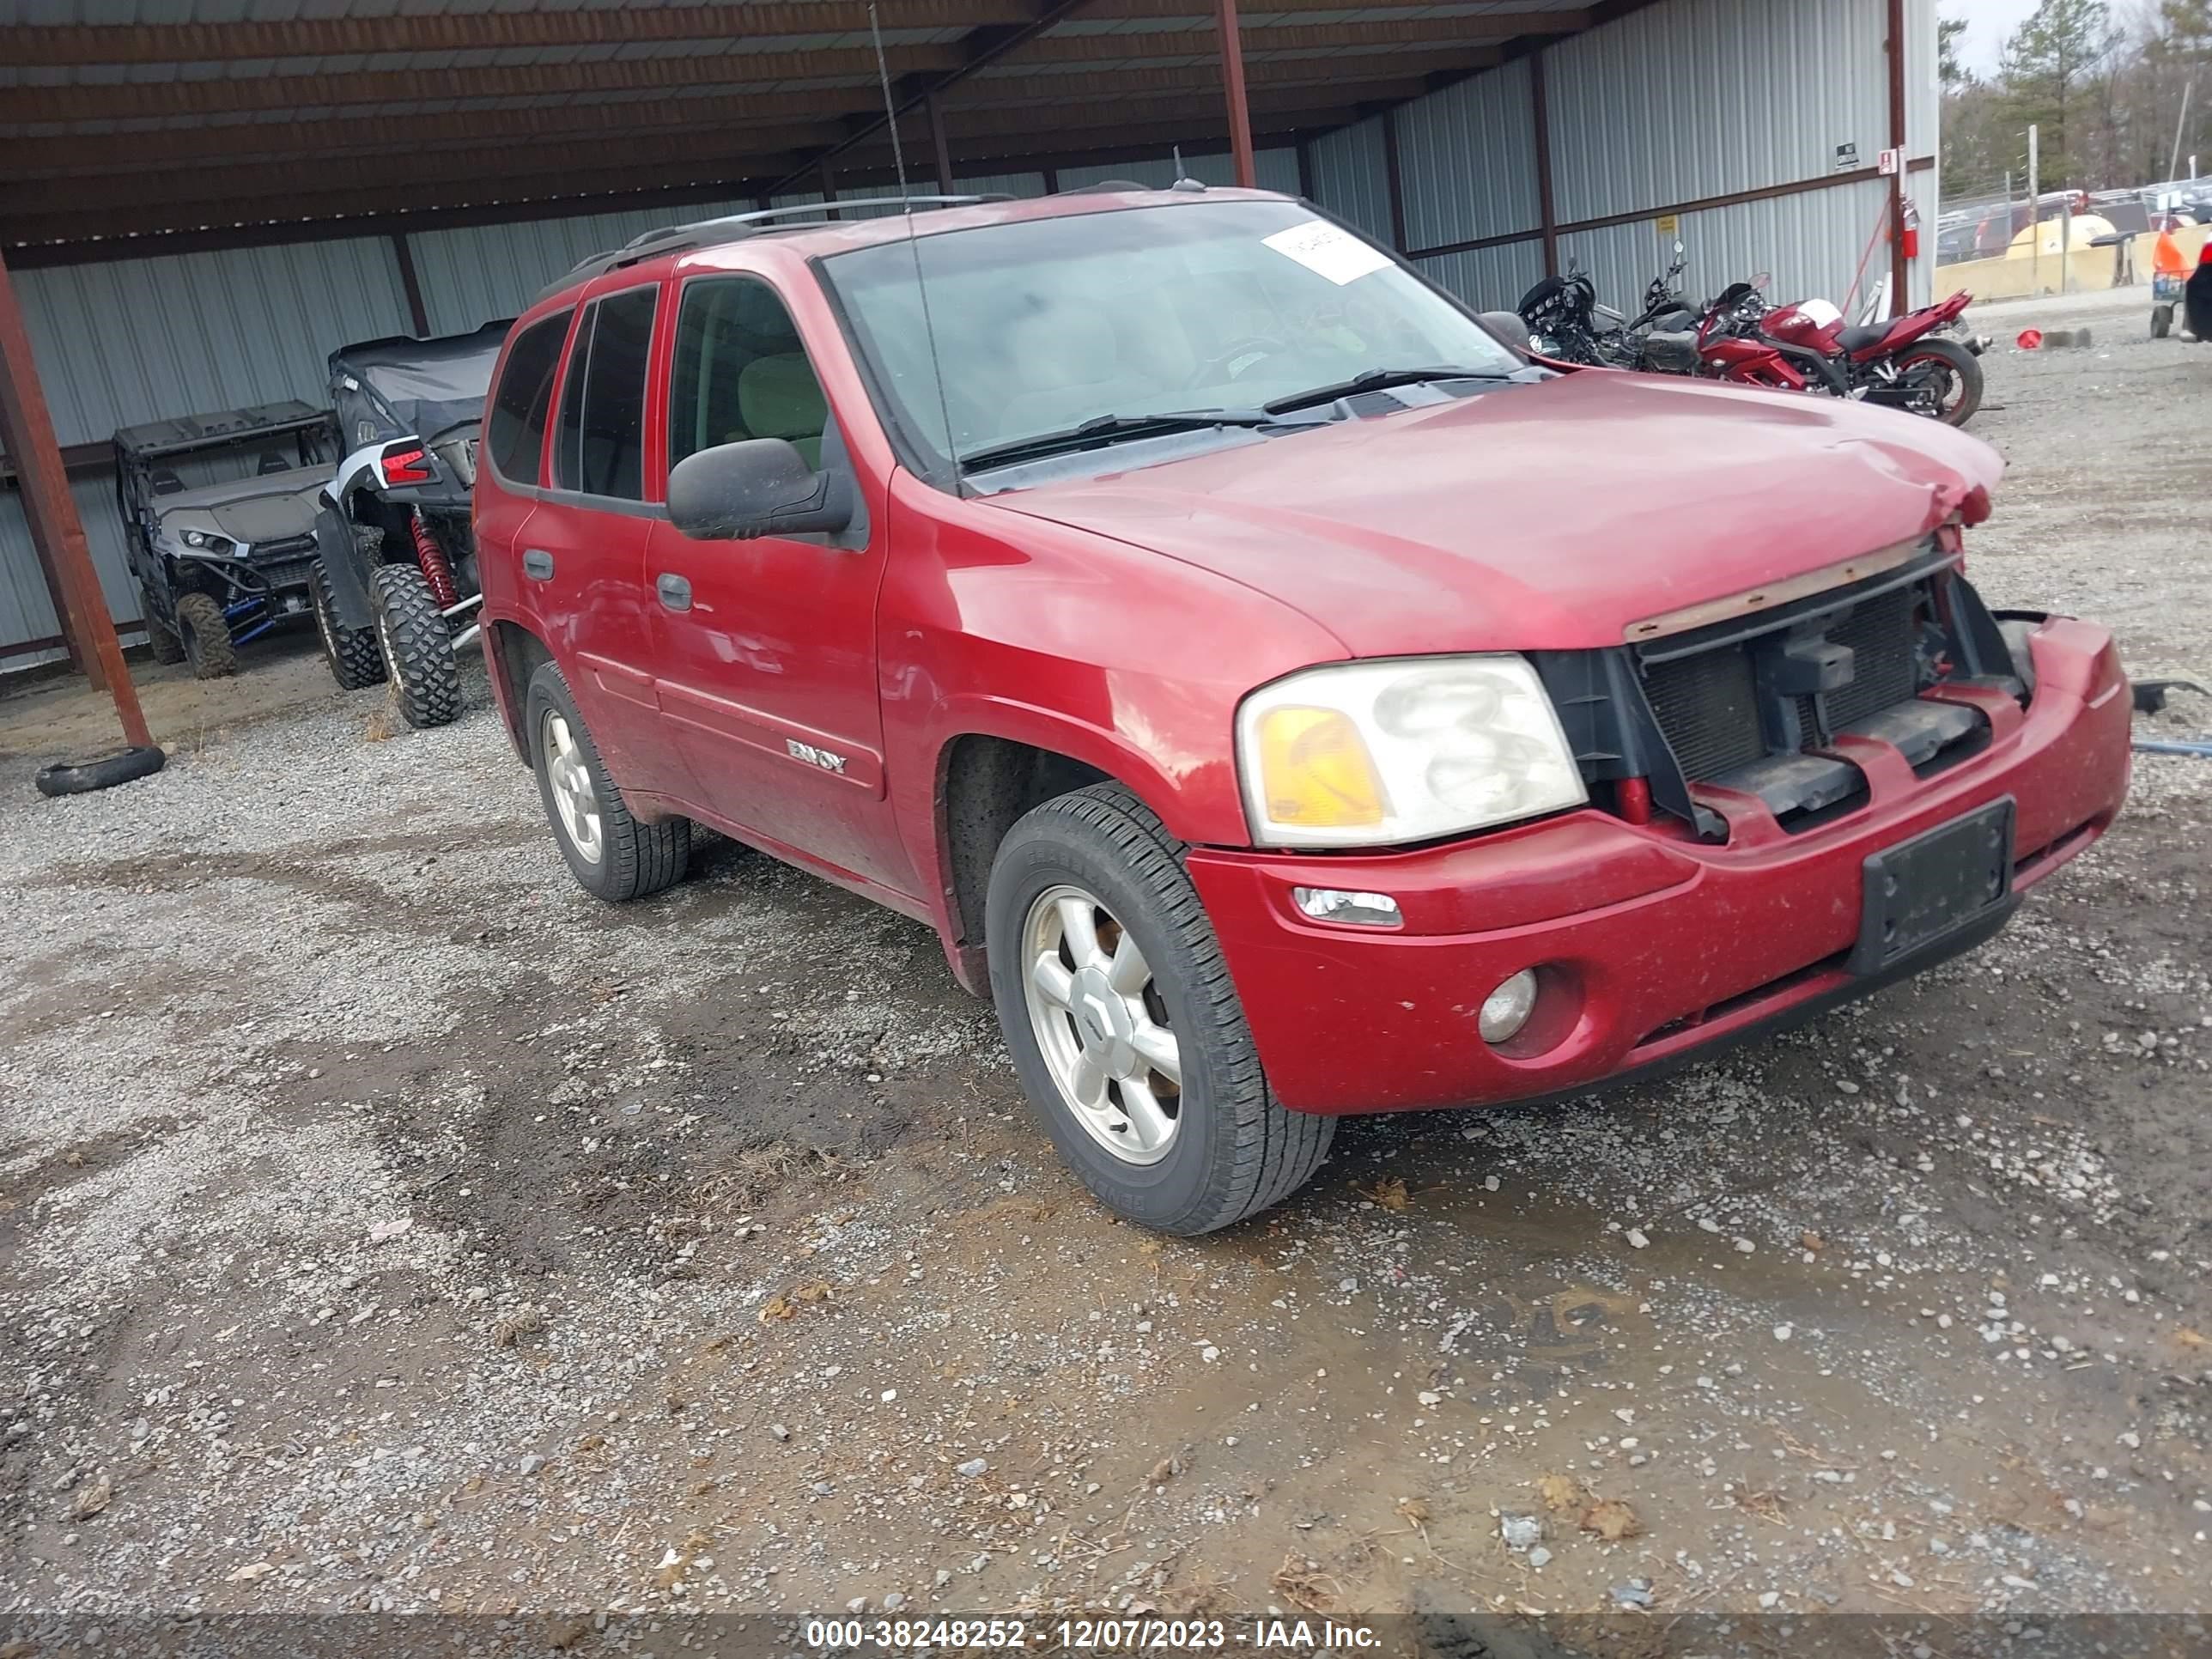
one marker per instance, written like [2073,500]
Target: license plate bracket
[1941,880]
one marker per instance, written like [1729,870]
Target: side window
[598,447]
[514,427]
[740,371]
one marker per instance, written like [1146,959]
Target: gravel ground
[385,1225]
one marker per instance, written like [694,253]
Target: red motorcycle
[1904,363]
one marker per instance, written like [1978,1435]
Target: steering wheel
[1206,372]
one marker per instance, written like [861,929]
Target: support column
[26,429]
[1547,212]
[1901,296]
[1305,167]
[829,190]
[938,148]
[1392,180]
[410,283]
[1232,86]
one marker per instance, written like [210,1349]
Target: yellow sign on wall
[1667,224]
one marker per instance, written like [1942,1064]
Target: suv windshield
[1044,324]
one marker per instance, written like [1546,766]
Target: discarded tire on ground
[82,777]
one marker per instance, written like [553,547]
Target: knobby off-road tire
[355,657]
[160,639]
[1235,1150]
[416,645]
[620,858]
[207,640]
[1962,363]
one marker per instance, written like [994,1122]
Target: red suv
[1286,698]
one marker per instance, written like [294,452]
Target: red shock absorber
[437,571]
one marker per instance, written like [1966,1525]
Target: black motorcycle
[1566,322]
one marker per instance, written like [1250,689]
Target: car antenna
[913,245]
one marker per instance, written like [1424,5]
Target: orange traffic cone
[2166,257]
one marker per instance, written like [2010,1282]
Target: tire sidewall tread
[205,632]
[636,859]
[417,646]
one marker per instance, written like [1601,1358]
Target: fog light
[1506,1010]
[1358,909]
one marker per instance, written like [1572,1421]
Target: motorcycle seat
[1858,339]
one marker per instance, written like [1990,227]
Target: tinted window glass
[514,431]
[740,371]
[599,446]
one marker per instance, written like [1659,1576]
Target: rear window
[598,447]
[514,427]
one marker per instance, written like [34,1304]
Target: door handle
[675,592]
[537,562]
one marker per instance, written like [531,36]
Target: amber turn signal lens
[1315,770]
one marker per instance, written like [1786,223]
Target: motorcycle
[1910,363]
[1566,321]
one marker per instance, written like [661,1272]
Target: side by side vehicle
[395,581]
[218,521]
[1284,699]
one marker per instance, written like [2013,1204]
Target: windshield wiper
[1375,380]
[1104,430]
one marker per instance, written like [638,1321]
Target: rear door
[767,660]
[586,544]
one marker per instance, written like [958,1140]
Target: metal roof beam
[118,100]
[29,46]
[1150,46]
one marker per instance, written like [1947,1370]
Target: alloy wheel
[1101,1024]
[570,781]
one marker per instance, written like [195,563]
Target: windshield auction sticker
[1320,247]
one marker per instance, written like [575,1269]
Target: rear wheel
[2162,321]
[612,855]
[355,657]
[160,639]
[1125,1028]
[417,646]
[1944,379]
[206,633]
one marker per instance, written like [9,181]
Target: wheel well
[518,652]
[988,784]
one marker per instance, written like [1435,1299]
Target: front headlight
[214,546]
[1372,754]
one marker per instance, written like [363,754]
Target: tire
[160,639]
[632,859]
[2162,321]
[355,657]
[1962,364]
[81,777]
[207,640]
[1234,1150]
[417,646]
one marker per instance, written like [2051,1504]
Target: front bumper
[1651,948]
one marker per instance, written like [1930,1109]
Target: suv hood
[1541,517]
[270,509]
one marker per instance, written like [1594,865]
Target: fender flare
[341,563]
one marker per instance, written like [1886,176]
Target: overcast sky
[1988,23]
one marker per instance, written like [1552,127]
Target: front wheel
[206,633]
[1125,1028]
[1944,380]
[416,645]
[160,639]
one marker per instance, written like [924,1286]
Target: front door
[768,648]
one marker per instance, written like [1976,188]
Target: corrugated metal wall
[1350,178]
[1467,160]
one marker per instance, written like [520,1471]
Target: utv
[222,557]
[395,575]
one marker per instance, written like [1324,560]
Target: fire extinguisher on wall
[1911,238]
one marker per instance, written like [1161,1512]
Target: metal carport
[200,202]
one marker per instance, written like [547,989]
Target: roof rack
[735,228]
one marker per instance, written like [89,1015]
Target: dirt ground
[385,1225]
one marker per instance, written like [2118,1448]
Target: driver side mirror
[756,487]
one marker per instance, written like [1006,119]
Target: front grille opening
[1798,819]
[1959,749]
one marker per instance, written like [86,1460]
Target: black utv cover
[400,387]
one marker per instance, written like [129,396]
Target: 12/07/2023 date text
[1090,1635]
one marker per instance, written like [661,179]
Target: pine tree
[2049,65]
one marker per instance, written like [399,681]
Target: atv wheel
[417,646]
[1950,377]
[207,637]
[1126,1031]
[160,639]
[612,855]
[354,657]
